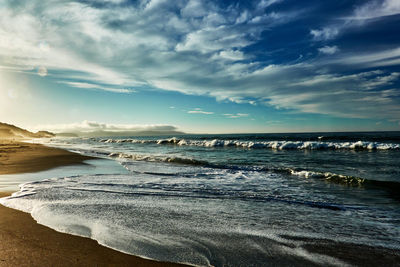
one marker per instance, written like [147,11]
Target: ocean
[225,200]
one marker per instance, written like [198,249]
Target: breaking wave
[348,180]
[326,176]
[149,158]
[279,145]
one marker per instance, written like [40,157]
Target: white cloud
[235,116]
[326,33]
[194,8]
[329,50]
[91,126]
[375,9]
[344,96]
[383,80]
[214,39]
[234,55]
[361,16]
[267,3]
[378,58]
[200,111]
[98,87]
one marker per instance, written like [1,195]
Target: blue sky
[201,66]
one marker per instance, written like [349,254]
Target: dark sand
[18,157]
[23,242]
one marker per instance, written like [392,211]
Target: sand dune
[8,131]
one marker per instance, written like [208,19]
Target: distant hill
[9,131]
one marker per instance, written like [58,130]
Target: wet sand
[26,243]
[18,157]
[23,242]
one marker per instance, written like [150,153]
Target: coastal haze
[205,133]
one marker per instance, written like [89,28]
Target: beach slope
[18,157]
[26,243]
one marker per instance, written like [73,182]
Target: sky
[200,66]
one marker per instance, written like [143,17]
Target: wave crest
[178,160]
[347,180]
[331,177]
[278,145]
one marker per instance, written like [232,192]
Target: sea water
[230,200]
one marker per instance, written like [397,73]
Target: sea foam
[279,145]
[196,220]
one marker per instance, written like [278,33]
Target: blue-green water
[218,199]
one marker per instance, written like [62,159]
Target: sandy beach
[26,243]
[18,157]
[202,133]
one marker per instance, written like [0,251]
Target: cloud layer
[208,48]
[91,126]
[200,111]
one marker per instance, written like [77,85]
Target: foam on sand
[140,219]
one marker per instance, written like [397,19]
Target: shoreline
[24,242]
[19,157]
[27,243]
